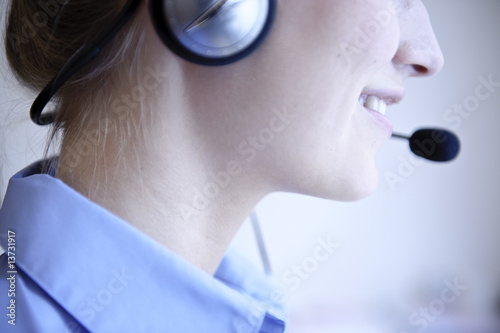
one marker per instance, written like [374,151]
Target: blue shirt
[79,268]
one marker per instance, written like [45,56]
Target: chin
[353,186]
[359,190]
[348,179]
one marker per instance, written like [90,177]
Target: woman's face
[304,112]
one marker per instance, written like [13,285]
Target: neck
[166,181]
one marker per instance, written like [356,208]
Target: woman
[163,158]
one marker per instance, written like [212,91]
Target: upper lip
[389,96]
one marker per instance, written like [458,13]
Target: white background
[398,246]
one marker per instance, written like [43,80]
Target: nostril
[422,70]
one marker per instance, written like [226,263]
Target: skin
[150,168]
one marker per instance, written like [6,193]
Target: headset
[205,32]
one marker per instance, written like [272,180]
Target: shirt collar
[112,277]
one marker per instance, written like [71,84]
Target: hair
[42,35]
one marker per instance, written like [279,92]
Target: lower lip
[381,120]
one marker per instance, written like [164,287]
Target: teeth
[373,103]
[362,100]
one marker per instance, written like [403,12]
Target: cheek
[315,69]
[366,34]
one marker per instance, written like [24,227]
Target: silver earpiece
[213,32]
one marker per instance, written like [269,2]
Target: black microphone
[434,144]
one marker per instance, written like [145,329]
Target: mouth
[375,102]
[378,100]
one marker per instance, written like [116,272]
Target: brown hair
[42,35]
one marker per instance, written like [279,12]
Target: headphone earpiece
[212,32]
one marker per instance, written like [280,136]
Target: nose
[419,53]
